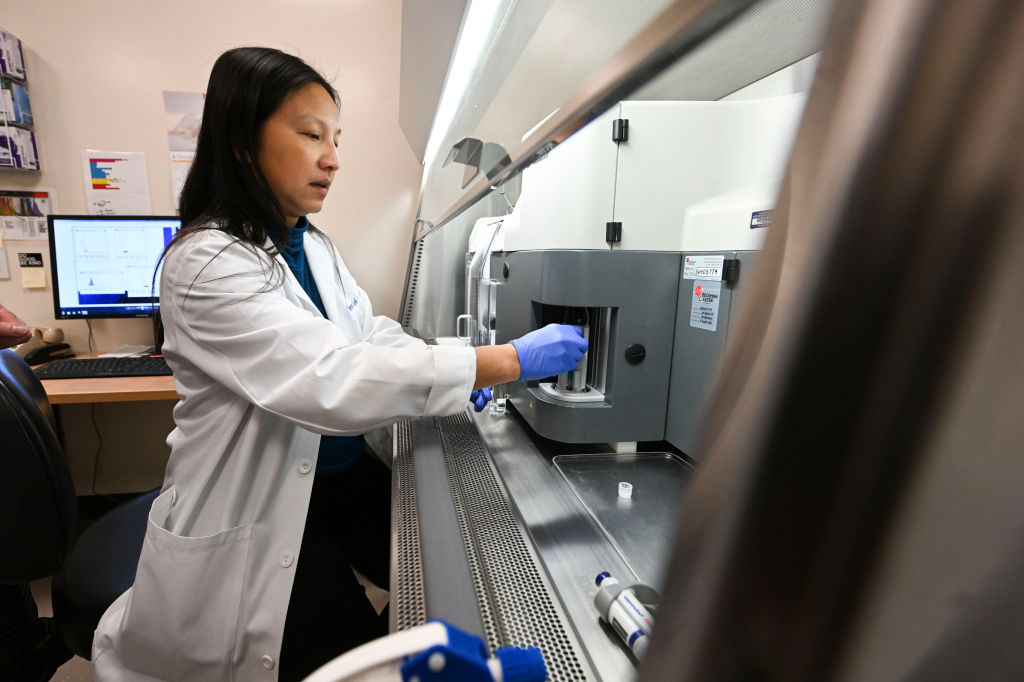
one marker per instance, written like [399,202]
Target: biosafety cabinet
[638,218]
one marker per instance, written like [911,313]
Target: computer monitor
[102,266]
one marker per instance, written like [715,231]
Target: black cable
[99,446]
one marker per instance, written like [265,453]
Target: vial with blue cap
[623,611]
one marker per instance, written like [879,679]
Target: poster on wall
[183,112]
[23,213]
[116,183]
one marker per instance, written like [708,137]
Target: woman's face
[298,151]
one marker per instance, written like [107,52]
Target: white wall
[97,72]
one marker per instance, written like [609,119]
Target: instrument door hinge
[620,130]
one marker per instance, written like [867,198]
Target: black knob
[635,353]
[504,270]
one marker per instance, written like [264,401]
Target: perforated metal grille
[407,606]
[515,603]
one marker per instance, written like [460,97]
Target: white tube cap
[625,490]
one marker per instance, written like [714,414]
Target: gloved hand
[550,350]
[480,398]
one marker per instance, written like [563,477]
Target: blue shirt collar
[293,249]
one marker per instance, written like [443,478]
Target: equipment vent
[414,278]
[407,607]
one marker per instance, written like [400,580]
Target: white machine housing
[678,155]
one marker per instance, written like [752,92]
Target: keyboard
[88,368]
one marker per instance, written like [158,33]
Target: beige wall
[97,72]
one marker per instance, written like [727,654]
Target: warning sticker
[703,267]
[760,219]
[704,306]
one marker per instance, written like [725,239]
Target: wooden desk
[109,389]
[134,452]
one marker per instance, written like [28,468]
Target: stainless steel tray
[639,528]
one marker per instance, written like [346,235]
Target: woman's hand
[544,352]
[480,398]
[550,350]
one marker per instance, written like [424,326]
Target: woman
[280,365]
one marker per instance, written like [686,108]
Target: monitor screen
[102,266]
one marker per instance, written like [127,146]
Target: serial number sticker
[703,267]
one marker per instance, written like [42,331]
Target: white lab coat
[261,376]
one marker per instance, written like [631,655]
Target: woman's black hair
[225,188]
[225,184]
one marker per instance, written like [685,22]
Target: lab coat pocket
[182,620]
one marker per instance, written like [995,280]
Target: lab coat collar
[320,261]
[321,267]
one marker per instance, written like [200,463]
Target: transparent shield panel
[540,58]
[536,53]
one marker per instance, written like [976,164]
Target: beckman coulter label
[704,305]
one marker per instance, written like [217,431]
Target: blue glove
[480,398]
[551,350]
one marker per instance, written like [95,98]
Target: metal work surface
[509,551]
[571,546]
[447,577]
[640,526]
[516,602]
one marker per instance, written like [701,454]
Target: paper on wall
[183,112]
[23,213]
[33,278]
[116,183]
[181,162]
[5,270]
[33,275]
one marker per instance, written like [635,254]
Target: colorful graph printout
[116,183]
[23,213]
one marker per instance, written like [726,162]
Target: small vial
[625,490]
[620,608]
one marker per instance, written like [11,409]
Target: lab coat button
[287,559]
[268,662]
[305,466]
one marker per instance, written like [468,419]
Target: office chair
[37,526]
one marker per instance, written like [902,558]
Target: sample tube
[575,380]
[622,610]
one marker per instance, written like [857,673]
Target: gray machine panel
[697,357]
[641,288]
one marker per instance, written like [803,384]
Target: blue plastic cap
[635,636]
[522,665]
[601,576]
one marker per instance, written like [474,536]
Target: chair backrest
[37,498]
